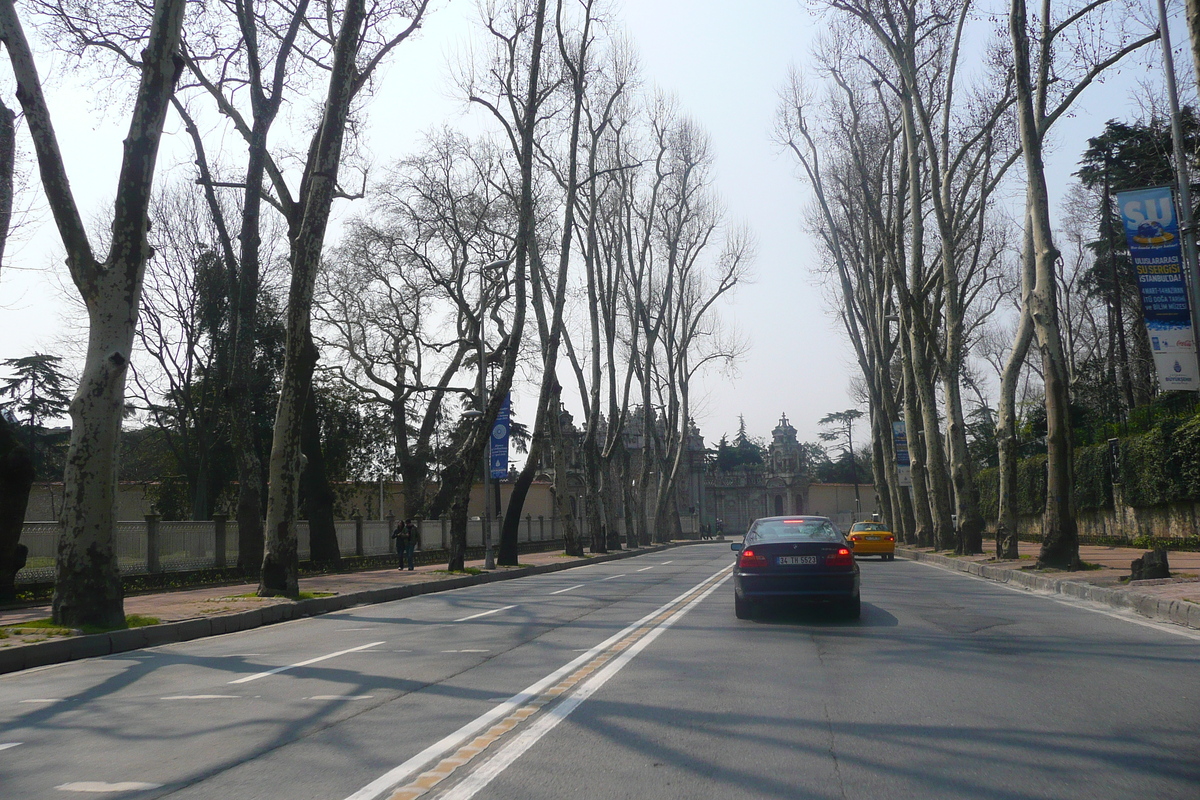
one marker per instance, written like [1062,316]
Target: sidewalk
[194,613]
[1175,599]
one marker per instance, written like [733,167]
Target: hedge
[1093,477]
[1157,467]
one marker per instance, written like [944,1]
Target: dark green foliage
[1152,467]
[1093,477]
[37,393]
[989,492]
[1029,493]
[744,452]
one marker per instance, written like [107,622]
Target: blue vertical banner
[1152,231]
[498,458]
[900,444]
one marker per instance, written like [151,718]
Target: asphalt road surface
[631,679]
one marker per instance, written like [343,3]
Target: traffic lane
[422,622]
[338,761]
[1024,698]
[218,731]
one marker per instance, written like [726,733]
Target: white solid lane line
[569,588]
[202,697]
[7,745]
[453,741]
[485,613]
[503,759]
[611,577]
[277,670]
[643,569]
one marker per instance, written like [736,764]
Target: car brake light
[841,558]
[891,538]
[749,558]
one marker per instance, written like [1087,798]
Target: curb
[102,644]
[1160,609]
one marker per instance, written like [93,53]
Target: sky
[725,64]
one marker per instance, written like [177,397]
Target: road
[631,679]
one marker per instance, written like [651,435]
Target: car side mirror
[735,547]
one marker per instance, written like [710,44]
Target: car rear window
[869,526]
[816,530]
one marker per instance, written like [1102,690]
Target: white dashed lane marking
[100,787]
[569,588]
[202,697]
[643,569]
[8,745]
[277,670]
[340,697]
[43,700]
[485,613]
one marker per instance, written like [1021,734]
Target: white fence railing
[152,545]
[156,546]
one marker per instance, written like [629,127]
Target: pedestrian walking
[401,537]
[412,537]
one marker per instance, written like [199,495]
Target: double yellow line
[598,664]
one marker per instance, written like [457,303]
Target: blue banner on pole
[498,457]
[1152,231]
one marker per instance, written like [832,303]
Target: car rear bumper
[828,586]
[874,548]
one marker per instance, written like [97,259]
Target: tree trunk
[1193,23]
[916,452]
[1060,537]
[966,493]
[88,584]
[316,495]
[16,478]
[307,231]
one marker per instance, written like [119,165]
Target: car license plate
[871,538]
[789,560]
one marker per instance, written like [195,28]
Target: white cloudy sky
[723,60]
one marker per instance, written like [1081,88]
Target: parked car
[802,559]
[873,539]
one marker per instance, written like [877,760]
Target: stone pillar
[358,535]
[541,528]
[152,562]
[529,527]
[219,521]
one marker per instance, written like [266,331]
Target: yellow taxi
[872,539]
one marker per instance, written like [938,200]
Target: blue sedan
[795,558]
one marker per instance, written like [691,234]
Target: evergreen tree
[37,393]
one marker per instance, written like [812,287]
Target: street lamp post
[489,559]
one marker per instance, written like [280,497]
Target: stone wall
[1124,523]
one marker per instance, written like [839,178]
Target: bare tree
[88,587]
[398,305]
[1045,89]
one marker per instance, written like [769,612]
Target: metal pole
[489,560]
[1186,226]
